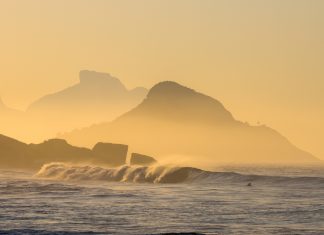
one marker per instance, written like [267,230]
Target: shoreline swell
[161,174]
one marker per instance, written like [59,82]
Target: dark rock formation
[112,154]
[58,150]
[15,154]
[143,160]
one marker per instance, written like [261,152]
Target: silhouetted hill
[98,97]
[175,120]
[16,154]
[95,90]
[13,152]
[58,150]
[169,101]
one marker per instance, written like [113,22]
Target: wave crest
[162,174]
[139,174]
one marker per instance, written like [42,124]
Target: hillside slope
[176,121]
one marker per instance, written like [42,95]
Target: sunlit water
[222,204]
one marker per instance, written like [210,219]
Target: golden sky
[263,59]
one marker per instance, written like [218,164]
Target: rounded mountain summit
[174,121]
[171,101]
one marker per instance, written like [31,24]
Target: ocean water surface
[67,199]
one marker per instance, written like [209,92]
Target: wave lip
[162,174]
[138,174]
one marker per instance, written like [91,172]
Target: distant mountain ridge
[174,120]
[94,89]
[98,97]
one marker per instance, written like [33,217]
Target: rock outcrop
[13,153]
[16,154]
[143,160]
[58,150]
[111,154]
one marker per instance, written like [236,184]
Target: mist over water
[92,199]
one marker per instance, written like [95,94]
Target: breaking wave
[161,174]
[138,174]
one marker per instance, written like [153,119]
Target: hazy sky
[263,59]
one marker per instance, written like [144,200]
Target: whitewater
[85,199]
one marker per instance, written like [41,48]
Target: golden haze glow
[262,59]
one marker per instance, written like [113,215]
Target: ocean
[66,199]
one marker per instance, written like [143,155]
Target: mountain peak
[175,120]
[88,77]
[170,101]
[169,88]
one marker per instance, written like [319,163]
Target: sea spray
[138,174]
[163,174]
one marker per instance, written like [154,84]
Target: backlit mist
[261,59]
